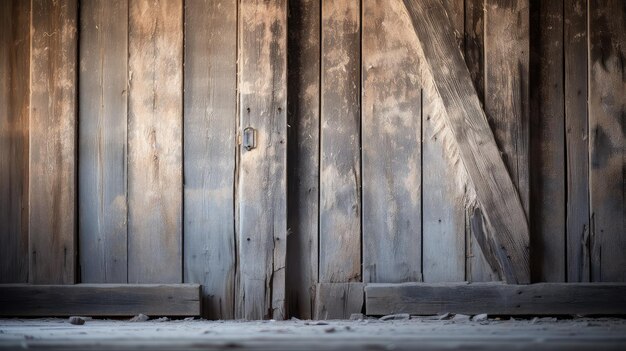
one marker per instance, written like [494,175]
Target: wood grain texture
[497,298]
[52,168]
[114,300]
[477,267]
[14,115]
[102,135]
[262,187]
[547,143]
[576,140]
[303,120]
[506,57]
[340,160]
[607,129]
[209,152]
[155,141]
[443,227]
[391,128]
[505,216]
[338,300]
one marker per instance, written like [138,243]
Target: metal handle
[249,138]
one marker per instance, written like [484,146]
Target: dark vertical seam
[76,256]
[565,141]
[592,227]
[361,133]
[128,22]
[421,278]
[182,156]
[465,212]
[236,166]
[319,140]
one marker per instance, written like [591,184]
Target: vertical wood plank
[443,204]
[607,128]
[14,107]
[209,152]
[506,85]
[52,170]
[303,120]
[340,160]
[155,141]
[391,128]
[261,191]
[102,107]
[577,140]
[477,266]
[547,143]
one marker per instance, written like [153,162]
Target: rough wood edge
[118,300]
[497,298]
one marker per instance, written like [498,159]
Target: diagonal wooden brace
[507,233]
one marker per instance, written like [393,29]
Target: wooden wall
[120,161]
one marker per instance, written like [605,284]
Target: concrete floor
[418,333]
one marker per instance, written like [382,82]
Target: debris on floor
[76,320]
[428,332]
[396,317]
[480,317]
[140,318]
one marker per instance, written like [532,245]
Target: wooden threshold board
[114,300]
[497,298]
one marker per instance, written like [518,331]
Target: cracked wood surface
[14,129]
[155,108]
[209,153]
[340,158]
[52,164]
[261,191]
[102,135]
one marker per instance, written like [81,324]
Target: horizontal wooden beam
[24,300]
[497,298]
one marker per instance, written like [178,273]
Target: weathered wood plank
[474,47]
[547,144]
[576,140]
[14,114]
[155,141]
[338,300]
[261,191]
[52,168]
[21,300]
[477,268]
[391,128]
[496,298]
[209,152]
[506,57]
[340,159]
[303,120]
[102,135]
[482,263]
[607,129]
[443,227]
[505,216]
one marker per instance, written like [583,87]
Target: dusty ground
[418,333]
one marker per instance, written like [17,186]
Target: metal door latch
[249,138]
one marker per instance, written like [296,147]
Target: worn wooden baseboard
[338,300]
[24,300]
[497,298]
